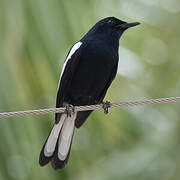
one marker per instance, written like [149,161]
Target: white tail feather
[52,139]
[66,136]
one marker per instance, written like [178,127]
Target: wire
[90,107]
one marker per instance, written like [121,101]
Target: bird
[88,71]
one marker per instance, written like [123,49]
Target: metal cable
[90,107]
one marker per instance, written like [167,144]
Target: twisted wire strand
[90,107]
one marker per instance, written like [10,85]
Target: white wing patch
[73,50]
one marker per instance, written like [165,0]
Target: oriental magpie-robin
[89,69]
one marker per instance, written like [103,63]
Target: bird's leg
[106,106]
[69,110]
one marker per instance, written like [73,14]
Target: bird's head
[110,28]
[112,25]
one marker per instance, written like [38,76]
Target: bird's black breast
[94,71]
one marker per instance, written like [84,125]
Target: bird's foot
[106,105]
[69,110]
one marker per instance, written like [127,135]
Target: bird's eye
[111,22]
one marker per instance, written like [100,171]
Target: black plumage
[89,69]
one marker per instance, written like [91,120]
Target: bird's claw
[106,105]
[69,110]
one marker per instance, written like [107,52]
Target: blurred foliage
[132,143]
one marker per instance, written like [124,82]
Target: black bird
[89,69]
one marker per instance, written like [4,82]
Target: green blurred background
[139,143]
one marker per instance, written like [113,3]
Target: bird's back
[94,70]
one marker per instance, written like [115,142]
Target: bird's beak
[128,25]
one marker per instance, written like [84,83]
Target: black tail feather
[81,118]
[44,160]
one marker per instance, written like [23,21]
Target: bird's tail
[58,144]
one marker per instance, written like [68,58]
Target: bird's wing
[68,70]
[63,129]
